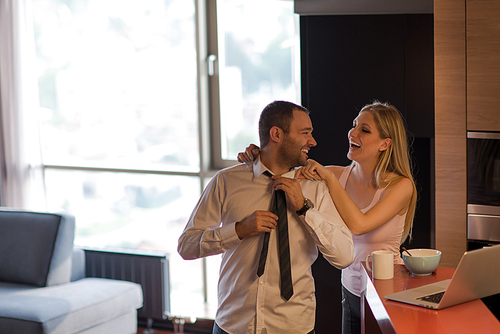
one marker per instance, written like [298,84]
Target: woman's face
[365,143]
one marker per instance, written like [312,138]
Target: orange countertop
[395,317]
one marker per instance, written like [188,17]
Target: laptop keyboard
[434,298]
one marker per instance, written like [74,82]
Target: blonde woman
[375,195]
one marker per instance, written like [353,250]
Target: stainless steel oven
[483,197]
[483,189]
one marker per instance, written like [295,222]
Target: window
[257,44]
[119,130]
[117,81]
[122,115]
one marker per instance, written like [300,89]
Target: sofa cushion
[67,308]
[35,248]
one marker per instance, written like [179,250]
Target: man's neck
[268,159]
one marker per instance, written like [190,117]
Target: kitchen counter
[379,315]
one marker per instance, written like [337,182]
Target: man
[234,217]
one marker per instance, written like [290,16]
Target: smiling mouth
[354,145]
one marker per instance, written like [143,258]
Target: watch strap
[304,208]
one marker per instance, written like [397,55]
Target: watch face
[309,204]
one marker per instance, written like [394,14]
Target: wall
[347,61]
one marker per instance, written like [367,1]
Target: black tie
[283,245]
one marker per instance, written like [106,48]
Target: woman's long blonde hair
[394,162]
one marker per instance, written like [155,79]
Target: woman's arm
[395,200]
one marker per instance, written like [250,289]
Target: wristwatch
[307,205]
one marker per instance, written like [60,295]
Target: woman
[375,195]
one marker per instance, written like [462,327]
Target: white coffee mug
[383,264]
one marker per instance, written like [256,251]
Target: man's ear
[276,134]
[385,145]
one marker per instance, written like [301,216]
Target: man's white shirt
[248,303]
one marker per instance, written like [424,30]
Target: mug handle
[368,263]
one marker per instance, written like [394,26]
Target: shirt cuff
[229,235]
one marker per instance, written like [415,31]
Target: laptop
[477,276]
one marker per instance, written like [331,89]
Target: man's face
[294,150]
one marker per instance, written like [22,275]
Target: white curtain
[20,157]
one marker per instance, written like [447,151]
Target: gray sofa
[43,288]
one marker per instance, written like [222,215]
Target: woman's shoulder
[337,170]
[400,182]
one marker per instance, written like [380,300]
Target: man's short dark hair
[277,113]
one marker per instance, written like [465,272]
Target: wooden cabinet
[467,95]
[450,133]
[483,65]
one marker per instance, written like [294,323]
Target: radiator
[149,269]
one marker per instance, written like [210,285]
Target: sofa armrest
[77,264]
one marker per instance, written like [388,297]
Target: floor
[201,326]
[142,330]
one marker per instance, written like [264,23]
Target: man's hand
[257,222]
[292,189]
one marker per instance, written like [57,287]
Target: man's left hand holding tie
[292,189]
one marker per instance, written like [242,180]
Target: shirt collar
[259,168]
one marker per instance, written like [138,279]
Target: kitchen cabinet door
[483,65]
